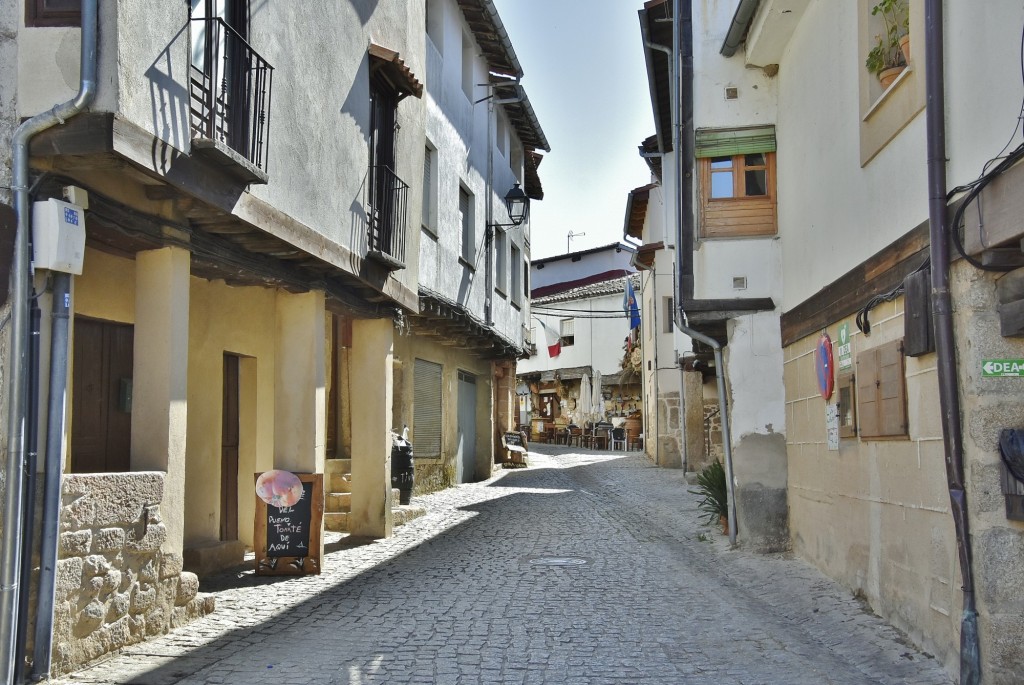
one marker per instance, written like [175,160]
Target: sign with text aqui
[996,368]
[843,348]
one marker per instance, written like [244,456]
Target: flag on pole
[553,340]
[629,305]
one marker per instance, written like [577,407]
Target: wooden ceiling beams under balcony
[450,325]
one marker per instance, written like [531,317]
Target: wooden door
[229,452]
[101,420]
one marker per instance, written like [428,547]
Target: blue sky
[585,76]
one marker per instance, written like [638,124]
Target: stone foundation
[115,586]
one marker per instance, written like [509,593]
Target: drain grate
[558,561]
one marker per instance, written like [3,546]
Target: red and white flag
[553,339]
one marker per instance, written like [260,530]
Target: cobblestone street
[586,567]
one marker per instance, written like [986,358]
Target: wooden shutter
[427,154]
[882,392]
[426,421]
[53,13]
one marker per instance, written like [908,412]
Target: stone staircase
[338,500]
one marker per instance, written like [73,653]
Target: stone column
[300,382]
[371,401]
[160,385]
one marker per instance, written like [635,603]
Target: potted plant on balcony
[889,57]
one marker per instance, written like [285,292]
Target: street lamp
[518,205]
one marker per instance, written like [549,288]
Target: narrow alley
[586,567]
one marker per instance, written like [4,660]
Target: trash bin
[402,470]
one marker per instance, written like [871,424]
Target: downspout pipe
[59,336]
[723,408]
[11,547]
[945,347]
[738,28]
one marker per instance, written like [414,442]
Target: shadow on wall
[169,97]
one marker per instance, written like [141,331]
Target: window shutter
[882,392]
[426,421]
[742,141]
[427,152]
[867,393]
[567,327]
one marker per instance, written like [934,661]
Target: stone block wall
[115,585]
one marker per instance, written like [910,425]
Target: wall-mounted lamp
[518,205]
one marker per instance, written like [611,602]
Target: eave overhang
[490,34]
[636,211]
[656,32]
[390,63]
[451,325]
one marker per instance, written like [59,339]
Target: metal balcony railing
[387,215]
[230,90]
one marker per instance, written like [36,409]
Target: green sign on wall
[844,347]
[997,368]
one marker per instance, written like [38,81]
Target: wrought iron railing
[230,90]
[387,215]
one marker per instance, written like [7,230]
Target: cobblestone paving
[488,588]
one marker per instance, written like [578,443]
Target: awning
[393,67]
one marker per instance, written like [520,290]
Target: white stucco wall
[457,129]
[564,269]
[598,341]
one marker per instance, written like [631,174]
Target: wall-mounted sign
[1000,368]
[844,348]
[823,366]
[832,426]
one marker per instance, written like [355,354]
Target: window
[517,285]
[566,330]
[500,260]
[384,186]
[435,23]
[526,279]
[429,213]
[515,159]
[501,134]
[466,221]
[426,414]
[669,315]
[737,182]
[467,66]
[882,392]
[884,112]
[53,13]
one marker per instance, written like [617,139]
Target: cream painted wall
[235,320]
[106,287]
[754,363]
[437,474]
[875,514]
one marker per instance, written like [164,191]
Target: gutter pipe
[945,347]
[11,549]
[43,646]
[738,29]
[723,407]
[28,533]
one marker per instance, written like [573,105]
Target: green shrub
[711,486]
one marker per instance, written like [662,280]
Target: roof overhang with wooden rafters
[656,30]
[391,65]
[636,211]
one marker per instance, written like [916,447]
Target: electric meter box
[58,236]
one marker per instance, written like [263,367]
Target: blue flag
[629,306]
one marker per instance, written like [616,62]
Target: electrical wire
[862,319]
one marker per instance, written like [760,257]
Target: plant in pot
[889,57]
[711,486]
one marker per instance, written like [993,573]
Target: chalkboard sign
[288,540]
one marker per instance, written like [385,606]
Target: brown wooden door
[229,452]
[101,419]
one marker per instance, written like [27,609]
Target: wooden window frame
[742,215]
[881,390]
[37,14]
[846,384]
[570,325]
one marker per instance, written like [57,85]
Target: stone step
[404,513]
[339,482]
[338,502]
[336,521]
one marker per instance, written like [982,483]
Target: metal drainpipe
[43,648]
[31,467]
[945,346]
[723,408]
[11,550]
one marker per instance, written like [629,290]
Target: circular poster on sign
[823,365]
[279,488]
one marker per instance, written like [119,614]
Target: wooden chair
[635,440]
[587,437]
[575,435]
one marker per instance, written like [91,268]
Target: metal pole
[945,345]
[11,550]
[43,648]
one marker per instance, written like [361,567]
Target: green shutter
[737,141]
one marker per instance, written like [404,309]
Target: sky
[584,73]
